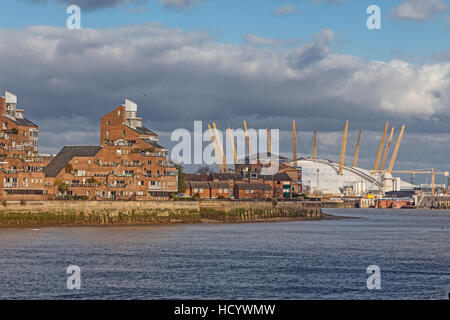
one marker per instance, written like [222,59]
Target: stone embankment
[72,213]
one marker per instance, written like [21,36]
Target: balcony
[84,185]
[120,185]
[4,135]
[10,185]
[106,164]
[132,164]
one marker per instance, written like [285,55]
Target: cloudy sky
[265,61]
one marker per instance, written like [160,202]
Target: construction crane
[394,154]
[222,154]
[248,140]
[315,146]
[380,149]
[294,143]
[344,144]
[431,171]
[386,151]
[355,158]
[219,162]
[232,144]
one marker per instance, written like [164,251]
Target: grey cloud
[419,9]
[67,79]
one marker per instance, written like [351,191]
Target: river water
[325,259]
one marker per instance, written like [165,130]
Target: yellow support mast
[386,151]
[234,148]
[355,158]
[269,144]
[219,162]
[248,141]
[380,149]
[344,144]
[294,143]
[394,154]
[315,146]
[222,154]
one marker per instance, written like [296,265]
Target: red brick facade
[21,167]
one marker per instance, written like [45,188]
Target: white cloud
[177,4]
[287,10]
[419,9]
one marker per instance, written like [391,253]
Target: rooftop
[66,154]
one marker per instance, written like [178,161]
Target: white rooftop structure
[130,105]
[10,97]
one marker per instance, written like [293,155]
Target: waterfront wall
[40,213]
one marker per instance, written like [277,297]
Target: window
[119,151]
[123,133]
[107,134]
[225,191]
[201,189]
[89,161]
[220,190]
[5,125]
[149,162]
[195,190]
[118,113]
[108,122]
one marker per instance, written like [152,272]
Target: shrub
[274,202]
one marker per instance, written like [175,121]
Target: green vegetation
[181,179]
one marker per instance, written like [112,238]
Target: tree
[181,178]
[62,186]
[204,170]
[68,168]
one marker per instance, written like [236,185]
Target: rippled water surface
[287,260]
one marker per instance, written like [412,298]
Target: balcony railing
[120,185]
[10,185]
[84,185]
[106,164]
[131,164]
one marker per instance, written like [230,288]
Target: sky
[266,61]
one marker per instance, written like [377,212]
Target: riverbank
[99,213]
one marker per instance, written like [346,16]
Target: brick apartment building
[128,165]
[21,166]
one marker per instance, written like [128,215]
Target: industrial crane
[431,171]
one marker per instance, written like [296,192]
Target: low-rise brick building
[219,190]
[281,185]
[200,188]
[252,190]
